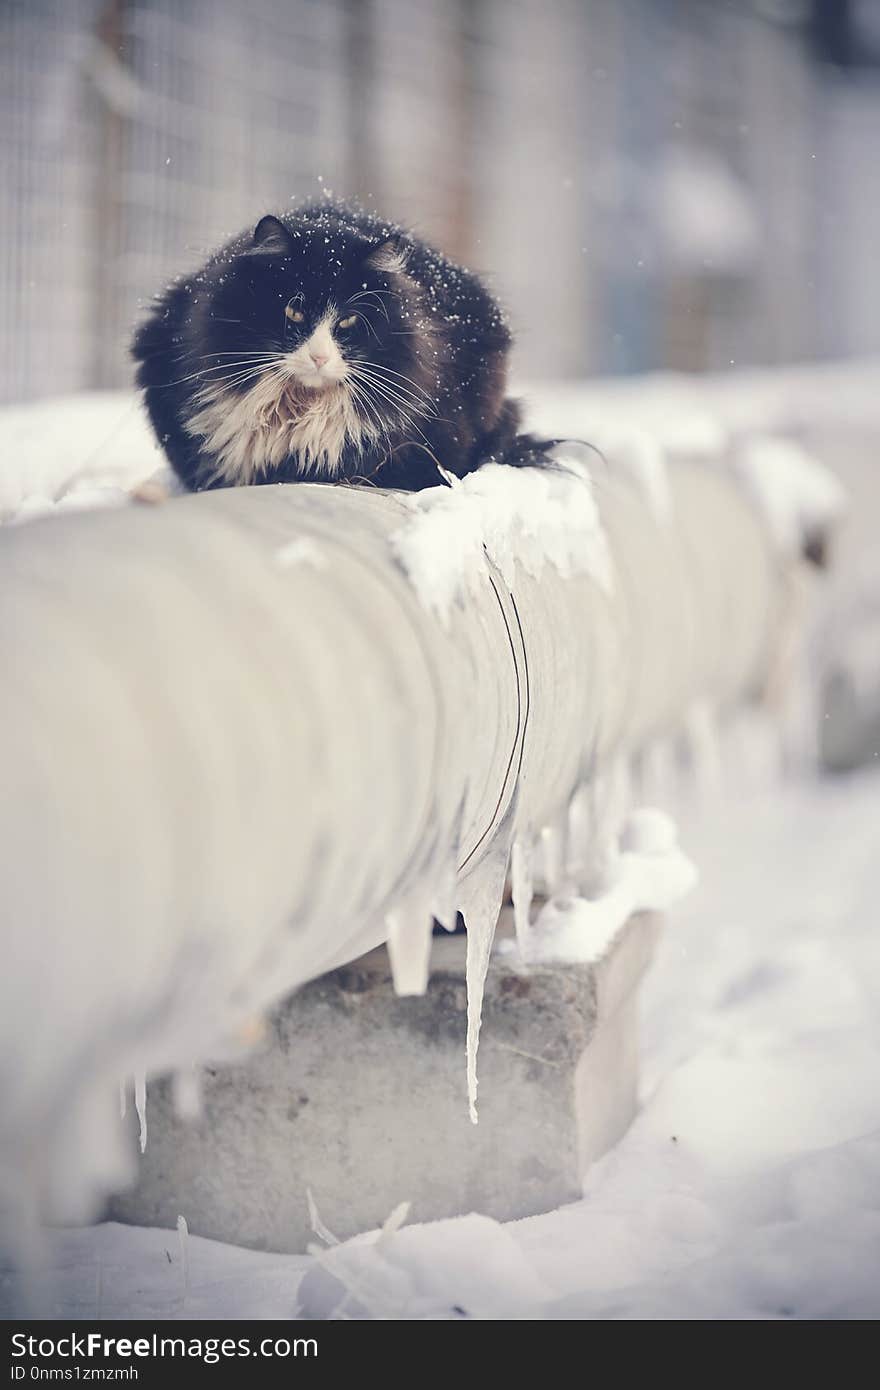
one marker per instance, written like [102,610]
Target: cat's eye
[349,322]
[295,315]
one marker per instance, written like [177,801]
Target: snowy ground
[749,1186]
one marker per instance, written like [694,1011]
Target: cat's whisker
[383,373]
[243,362]
[237,352]
[238,323]
[371,423]
[391,392]
[404,404]
[363,318]
[414,444]
[363,401]
[243,377]
[421,405]
[220,367]
[251,373]
[368,383]
[403,409]
[360,393]
[371,294]
[389,371]
[229,368]
[391,294]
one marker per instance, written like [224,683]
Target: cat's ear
[389,256]
[271,237]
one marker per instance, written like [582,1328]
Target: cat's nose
[320,359]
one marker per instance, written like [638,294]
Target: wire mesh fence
[644,184]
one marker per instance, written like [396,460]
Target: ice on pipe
[646,873]
[196,1041]
[751,752]
[140,1105]
[466,1267]
[409,926]
[83,498]
[479,900]
[527,516]
[444,875]
[603,810]
[444,904]
[553,856]
[522,885]
[642,456]
[855,659]
[797,495]
[701,732]
[303,550]
[648,831]
[658,772]
[577,834]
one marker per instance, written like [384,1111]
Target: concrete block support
[359,1096]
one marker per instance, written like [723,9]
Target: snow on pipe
[248,735]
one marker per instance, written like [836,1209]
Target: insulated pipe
[247,735]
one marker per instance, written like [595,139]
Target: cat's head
[311,305]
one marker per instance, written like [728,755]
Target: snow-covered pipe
[248,735]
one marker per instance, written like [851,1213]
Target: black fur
[429,331]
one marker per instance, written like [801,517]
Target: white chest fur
[247,434]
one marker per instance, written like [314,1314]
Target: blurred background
[647,184]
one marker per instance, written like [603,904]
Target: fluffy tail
[506,443]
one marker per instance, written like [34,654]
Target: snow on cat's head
[319,302]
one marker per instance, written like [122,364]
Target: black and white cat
[328,345]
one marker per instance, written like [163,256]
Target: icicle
[409,943]
[658,779]
[187,1093]
[623,791]
[140,1105]
[522,884]
[611,805]
[392,1224]
[123,1099]
[799,728]
[183,1243]
[749,746]
[552,857]
[443,901]
[479,900]
[578,840]
[317,1225]
[705,757]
